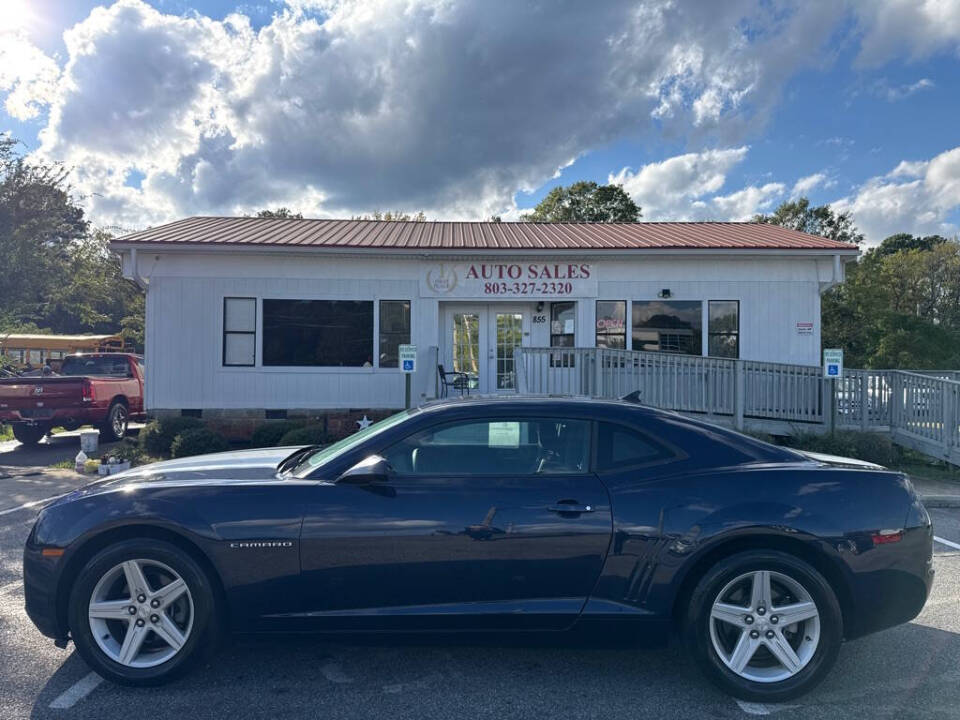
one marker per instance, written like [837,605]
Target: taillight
[885,537]
[86,391]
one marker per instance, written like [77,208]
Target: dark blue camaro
[491,515]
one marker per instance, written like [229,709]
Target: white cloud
[742,204]
[893,93]
[343,106]
[916,197]
[666,190]
[27,75]
[916,28]
[805,185]
[348,106]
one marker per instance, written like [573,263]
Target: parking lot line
[948,543]
[76,692]
[32,503]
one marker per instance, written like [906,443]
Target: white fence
[919,409]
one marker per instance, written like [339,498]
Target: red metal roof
[382,235]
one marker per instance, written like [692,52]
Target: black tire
[203,637]
[29,434]
[697,635]
[114,428]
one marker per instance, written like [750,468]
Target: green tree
[906,241]
[281,212]
[820,220]
[395,216]
[56,275]
[38,224]
[585,201]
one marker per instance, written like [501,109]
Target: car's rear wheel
[764,626]
[115,426]
[28,434]
[141,612]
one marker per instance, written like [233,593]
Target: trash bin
[89,441]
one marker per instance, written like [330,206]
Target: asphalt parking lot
[911,671]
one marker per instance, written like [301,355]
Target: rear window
[620,447]
[95,365]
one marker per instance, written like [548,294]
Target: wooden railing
[919,409]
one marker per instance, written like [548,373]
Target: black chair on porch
[453,379]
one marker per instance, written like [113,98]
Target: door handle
[569,507]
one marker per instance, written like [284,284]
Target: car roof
[551,402]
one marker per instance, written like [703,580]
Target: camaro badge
[248,544]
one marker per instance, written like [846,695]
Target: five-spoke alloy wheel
[764,625]
[139,611]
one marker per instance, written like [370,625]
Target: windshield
[322,457]
[95,365]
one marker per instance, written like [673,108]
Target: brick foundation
[238,425]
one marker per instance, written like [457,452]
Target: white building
[248,316]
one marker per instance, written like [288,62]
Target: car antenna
[635,397]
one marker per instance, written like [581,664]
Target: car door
[492,523]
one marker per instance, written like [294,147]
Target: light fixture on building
[665,293]
[540,306]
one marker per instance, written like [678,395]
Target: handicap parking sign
[833,363]
[408,358]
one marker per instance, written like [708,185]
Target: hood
[839,461]
[238,465]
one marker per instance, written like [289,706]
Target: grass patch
[64,465]
[916,465]
[6,432]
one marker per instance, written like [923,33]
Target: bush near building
[270,433]
[873,447]
[307,435]
[157,436]
[198,441]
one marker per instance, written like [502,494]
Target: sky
[464,109]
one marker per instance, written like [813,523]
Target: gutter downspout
[142,282]
[836,277]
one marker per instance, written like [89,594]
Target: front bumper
[40,576]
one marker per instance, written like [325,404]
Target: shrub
[270,433]
[127,449]
[872,447]
[156,437]
[306,435]
[198,441]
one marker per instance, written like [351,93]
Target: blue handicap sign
[833,370]
[408,365]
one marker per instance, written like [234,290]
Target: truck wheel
[115,426]
[28,434]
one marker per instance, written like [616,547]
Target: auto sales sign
[482,279]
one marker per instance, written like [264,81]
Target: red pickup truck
[100,389]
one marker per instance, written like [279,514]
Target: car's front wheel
[141,612]
[115,426]
[764,626]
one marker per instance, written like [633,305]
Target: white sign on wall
[504,279]
[804,328]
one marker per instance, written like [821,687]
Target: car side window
[495,447]
[620,447]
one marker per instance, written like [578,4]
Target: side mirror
[371,469]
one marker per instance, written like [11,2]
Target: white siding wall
[185,314]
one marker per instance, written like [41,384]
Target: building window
[239,332]
[724,329]
[563,325]
[394,330]
[612,324]
[672,326]
[318,333]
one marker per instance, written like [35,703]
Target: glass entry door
[507,331]
[480,340]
